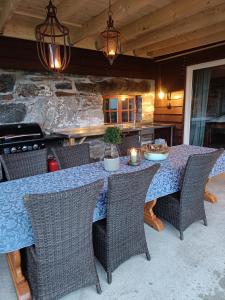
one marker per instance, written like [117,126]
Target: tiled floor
[179,270]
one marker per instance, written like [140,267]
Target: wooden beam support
[203,19]
[7,12]
[206,40]
[120,9]
[197,35]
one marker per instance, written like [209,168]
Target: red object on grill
[52,165]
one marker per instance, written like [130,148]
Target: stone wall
[64,101]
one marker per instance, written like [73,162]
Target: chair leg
[181,235]
[205,221]
[109,277]
[98,288]
[148,256]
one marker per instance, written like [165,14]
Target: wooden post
[210,197]
[71,141]
[150,218]
[20,283]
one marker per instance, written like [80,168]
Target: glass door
[207,119]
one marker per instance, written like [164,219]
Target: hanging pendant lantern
[111,37]
[53,42]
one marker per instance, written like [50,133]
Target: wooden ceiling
[149,28]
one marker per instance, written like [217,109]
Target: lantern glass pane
[54,57]
[111,46]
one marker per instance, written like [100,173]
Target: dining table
[15,226]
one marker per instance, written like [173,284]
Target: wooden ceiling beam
[184,38]
[203,19]
[6,12]
[204,41]
[97,24]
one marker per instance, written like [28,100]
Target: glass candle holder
[134,156]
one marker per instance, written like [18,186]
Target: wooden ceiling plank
[203,19]
[97,24]
[174,11]
[67,8]
[23,28]
[39,17]
[184,38]
[204,41]
[7,12]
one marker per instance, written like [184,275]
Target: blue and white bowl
[156,156]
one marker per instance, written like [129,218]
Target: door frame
[188,93]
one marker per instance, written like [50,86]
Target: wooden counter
[83,132]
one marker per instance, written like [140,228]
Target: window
[119,109]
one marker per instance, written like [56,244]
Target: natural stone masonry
[13,112]
[64,86]
[64,101]
[7,82]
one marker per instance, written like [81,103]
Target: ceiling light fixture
[111,37]
[53,42]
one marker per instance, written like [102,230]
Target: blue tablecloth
[15,226]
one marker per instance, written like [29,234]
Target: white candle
[133,155]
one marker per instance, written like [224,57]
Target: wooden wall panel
[20,54]
[172,111]
[174,103]
[168,118]
[173,73]
[172,114]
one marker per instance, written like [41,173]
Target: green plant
[112,136]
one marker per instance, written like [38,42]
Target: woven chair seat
[186,207]
[128,142]
[72,156]
[24,164]
[122,234]
[100,226]
[62,259]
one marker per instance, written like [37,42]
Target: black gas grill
[24,137]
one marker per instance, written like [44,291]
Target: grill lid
[20,132]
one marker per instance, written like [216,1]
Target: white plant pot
[111,164]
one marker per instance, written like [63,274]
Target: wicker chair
[1,176]
[62,259]
[24,164]
[72,156]
[128,142]
[183,208]
[121,235]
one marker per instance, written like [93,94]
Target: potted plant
[112,138]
